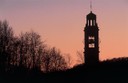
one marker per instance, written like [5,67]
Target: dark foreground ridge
[110,71]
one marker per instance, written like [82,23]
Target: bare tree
[80,57]
[27,51]
[68,60]
[15,57]
[6,44]
[31,48]
[53,60]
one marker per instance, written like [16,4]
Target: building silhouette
[91,41]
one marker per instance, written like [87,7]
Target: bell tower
[91,40]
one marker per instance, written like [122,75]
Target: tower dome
[91,16]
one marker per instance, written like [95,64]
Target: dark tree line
[27,51]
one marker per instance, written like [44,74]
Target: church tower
[91,41]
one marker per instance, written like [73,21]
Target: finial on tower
[90,5]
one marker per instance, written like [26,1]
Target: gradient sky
[61,23]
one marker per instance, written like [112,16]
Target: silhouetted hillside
[109,71]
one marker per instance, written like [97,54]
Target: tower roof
[91,15]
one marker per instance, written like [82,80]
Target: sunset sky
[61,23]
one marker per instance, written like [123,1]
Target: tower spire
[91,42]
[90,5]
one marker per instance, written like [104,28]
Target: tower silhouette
[91,34]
